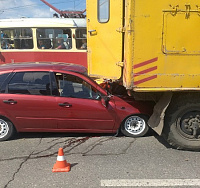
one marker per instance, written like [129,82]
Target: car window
[73,86]
[2,78]
[32,83]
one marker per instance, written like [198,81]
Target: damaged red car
[58,97]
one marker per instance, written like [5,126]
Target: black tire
[7,129]
[135,126]
[180,118]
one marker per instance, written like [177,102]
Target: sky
[36,8]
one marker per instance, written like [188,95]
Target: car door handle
[65,105]
[10,101]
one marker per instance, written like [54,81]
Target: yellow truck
[153,48]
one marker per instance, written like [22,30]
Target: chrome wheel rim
[135,125]
[4,128]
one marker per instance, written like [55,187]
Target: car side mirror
[105,100]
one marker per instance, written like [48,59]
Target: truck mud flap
[156,121]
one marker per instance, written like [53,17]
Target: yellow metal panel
[161,48]
[104,40]
[129,44]
[165,50]
[180,34]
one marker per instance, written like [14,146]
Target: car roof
[28,66]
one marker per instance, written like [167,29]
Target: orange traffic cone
[61,164]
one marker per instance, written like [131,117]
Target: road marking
[150,182]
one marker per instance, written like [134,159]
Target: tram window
[16,38]
[81,39]
[103,10]
[49,38]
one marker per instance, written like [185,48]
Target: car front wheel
[135,126]
[7,129]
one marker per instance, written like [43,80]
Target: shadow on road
[29,135]
[162,140]
[22,135]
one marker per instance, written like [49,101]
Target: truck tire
[182,124]
[135,126]
[7,129]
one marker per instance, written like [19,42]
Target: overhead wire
[80,2]
[31,5]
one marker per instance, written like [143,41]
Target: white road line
[150,182]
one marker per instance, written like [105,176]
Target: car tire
[7,129]
[135,126]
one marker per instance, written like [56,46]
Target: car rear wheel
[7,129]
[135,126]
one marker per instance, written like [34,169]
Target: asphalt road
[96,161]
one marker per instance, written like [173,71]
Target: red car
[55,97]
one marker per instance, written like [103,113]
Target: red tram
[43,39]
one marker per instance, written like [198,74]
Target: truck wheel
[182,126]
[135,126]
[7,129]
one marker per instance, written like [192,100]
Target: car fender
[125,108]
[9,117]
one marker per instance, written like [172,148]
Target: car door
[28,101]
[80,108]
